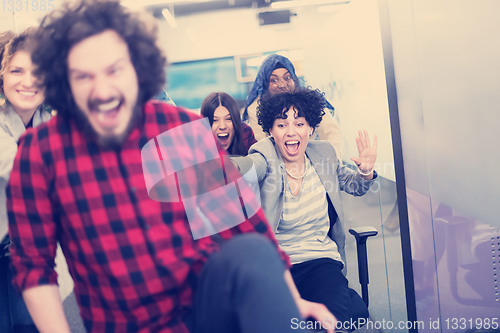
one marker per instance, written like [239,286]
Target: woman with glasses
[277,75]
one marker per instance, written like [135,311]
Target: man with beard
[78,180]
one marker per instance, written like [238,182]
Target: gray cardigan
[270,171]
[11,128]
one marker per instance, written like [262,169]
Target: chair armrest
[361,234]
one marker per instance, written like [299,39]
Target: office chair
[361,234]
[360,304]
[359,308]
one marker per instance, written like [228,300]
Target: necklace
[295,177]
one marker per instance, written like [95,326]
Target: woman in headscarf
[277,75]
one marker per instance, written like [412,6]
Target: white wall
[220,34]
[24,14]
[343,58]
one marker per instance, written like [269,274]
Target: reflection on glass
[448,107]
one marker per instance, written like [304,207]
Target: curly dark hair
[64,28]
[308,103]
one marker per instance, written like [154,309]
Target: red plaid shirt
[133,260]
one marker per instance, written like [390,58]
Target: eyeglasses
[285,79]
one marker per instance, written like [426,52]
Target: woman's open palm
[367,152]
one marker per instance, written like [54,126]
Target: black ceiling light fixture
[190,7]
[275,17]
[282,4]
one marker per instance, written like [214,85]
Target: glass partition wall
[442,57]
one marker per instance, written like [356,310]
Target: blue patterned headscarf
[261,83]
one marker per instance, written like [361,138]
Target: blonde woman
[20,108]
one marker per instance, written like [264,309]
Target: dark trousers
[14,316]
[322,281]
[242,290]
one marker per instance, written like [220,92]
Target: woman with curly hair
[20,108]
[300,182]
[224,117]
[277,75]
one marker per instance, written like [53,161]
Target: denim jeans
[242,290]
[13,311]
